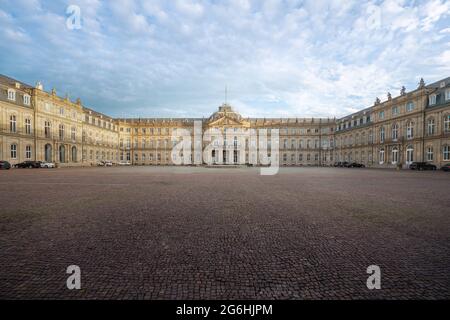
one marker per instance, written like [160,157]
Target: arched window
[409,154]
[62,154]
[446,153]
[410,130]
[395,132]
[74,154]
[381,156]
[12,123]
[394,155]
[431,126]
[48,152]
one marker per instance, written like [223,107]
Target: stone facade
[40,125]
[414,126]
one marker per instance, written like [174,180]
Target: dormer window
[26,99]
[432,99]
[442,84]
[11,95]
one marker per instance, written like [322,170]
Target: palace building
[42,126]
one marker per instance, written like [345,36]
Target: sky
[174,58]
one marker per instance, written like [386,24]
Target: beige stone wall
[89,137]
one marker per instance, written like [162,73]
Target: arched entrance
[74,154]
[62,154]
[48,152]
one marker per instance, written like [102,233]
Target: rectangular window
[381,115]
[28,152]
[13,151]
[47,129]
[446,153]
[12,124]
[410,106]
[395,111]
[447,94]
[11,95]
[28,126]
[26,99]
[432,99]
[430,154]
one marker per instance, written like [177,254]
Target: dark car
[422,166]
[345,164]
[29,164]
[5,165]
[446,167]
[356,165]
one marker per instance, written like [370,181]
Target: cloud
[278,58]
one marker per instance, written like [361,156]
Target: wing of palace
[42,126]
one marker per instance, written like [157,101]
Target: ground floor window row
[391,155]
[14,152]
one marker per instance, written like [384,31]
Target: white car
[107,163]
[124,163]
[48,165]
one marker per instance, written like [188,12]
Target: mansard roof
[10,82]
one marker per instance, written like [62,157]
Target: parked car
[422,166]
[356,165]
[336,164]
[5,165]
[104,163]
[29,164]
[446,167]
[48,165]
[124,163]
[108,163]
[345,164]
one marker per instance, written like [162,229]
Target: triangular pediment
[226,116]
[226,121]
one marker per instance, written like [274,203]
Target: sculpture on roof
[421,83]
[403,91]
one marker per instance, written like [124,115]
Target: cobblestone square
[199,233]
